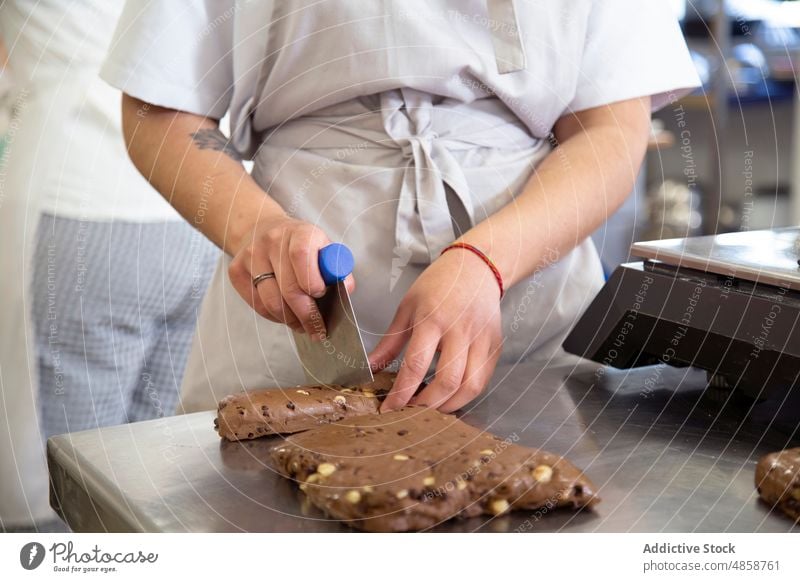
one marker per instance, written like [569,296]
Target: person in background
[101,277]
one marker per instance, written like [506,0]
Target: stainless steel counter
[665,455]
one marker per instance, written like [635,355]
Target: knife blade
[340,357]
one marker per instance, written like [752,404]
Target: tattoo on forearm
[213,139]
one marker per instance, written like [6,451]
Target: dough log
[257,413]
[778,481]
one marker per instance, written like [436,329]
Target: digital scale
[729,304]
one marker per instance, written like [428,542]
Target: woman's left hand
[452,308]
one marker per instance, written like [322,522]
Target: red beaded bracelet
[484,258]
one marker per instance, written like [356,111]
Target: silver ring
[262,277]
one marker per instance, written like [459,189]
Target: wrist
[514,257]
[248,219]
[478,255]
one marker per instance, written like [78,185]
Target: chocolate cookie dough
[778,481]
[414,468]
[258,413]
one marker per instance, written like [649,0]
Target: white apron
[395,176]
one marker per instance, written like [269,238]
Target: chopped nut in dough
[499,506]
[542,473]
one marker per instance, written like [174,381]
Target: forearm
[572,192]
[187,159]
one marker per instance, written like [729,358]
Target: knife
[340,357]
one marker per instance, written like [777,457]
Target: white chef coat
[391,125]
[57,46]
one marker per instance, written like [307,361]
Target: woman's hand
[290,249]
[452,308]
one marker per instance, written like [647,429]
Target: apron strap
[424,220]
[423,200]
[508,48]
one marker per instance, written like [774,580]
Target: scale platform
[729,304]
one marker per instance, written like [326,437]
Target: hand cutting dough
[778,481]
[283,411]
[414,468]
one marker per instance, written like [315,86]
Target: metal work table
[665,454]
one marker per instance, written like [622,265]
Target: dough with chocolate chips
[778,481]
[414,468]
[258,413]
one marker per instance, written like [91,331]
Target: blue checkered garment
[114,308]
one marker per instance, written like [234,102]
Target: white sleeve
[175,54]
[633,49]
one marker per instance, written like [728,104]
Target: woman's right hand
[290,249]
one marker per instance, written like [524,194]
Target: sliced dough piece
[287,410]
[414,468]
[778,481]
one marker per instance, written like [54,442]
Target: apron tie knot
[434,202]
[412,143]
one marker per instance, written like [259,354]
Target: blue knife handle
[335,263]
